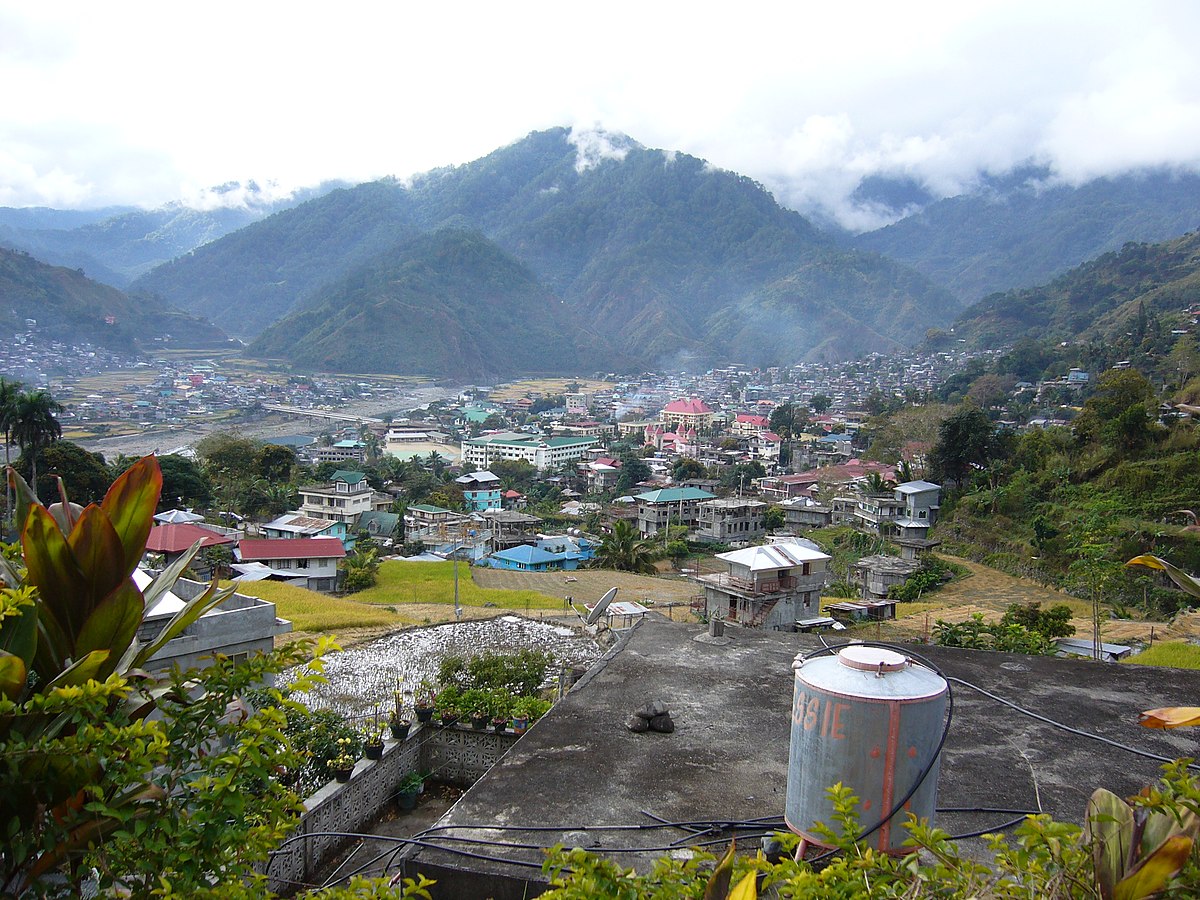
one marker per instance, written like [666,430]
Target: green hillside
[660,252]
[1023,230]
[447,303]
[68,306]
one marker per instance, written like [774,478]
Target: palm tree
[9,392]
[34,426]
[623,550]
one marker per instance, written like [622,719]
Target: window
[302,564]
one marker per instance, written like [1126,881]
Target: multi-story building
[541,453]
[693,413]
[481,490]
[308,562]
[292,525]
[768,586]
[344,499]
[669,506]
[732,519]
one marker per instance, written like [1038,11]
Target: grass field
[316,613]
[543,386]
[403,583]
[1172,654]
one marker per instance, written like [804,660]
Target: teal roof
[385,522]
[530,556]
[674,495]
[429,509]
[348,476]
[525,440]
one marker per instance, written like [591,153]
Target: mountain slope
[449,303]
[1017,232]
[643,246]
[1101,300]
[70,307]
[116,245]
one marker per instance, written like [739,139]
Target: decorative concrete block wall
[456,755]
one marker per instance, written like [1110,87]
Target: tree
[226,455]
[624,550]
[275,462]
[35,426]
[685,467]
[964,439]
[9,391]
[85,475]
[774,518]
[786,420]
[820,404]
[361,570]
[633,471]
[184,483]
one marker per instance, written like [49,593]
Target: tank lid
[872,659]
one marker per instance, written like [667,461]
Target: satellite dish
[600,607]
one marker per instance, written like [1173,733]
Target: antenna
[600,607]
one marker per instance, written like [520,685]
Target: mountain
[1108,300]
[117,244]
[1022,230]
[70,307]
[668,257]
[446,303]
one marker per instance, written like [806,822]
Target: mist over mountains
[572,251]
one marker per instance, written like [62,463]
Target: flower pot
[424,713]
[400,730]
[407,799]
[479,722]
[373,751]
[449,717]
[342,775]
[499,725]
[520,723]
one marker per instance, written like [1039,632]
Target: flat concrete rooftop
[579,772]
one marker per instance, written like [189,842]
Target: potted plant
[373,745]
[450,716]
[399,725]
[423,702]
[480,718]
[499,723]
[526,711]
[342,765]
[409,787]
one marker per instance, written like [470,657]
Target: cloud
[133,103]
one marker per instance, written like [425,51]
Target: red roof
[297,548]
[177,538]
[694,406]
[761,421]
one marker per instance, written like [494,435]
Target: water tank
[871,719]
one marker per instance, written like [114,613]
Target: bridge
[327,414]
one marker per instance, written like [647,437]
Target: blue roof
[530,556]
[835,438]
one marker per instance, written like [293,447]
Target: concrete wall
[458,755]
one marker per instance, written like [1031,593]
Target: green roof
[348,476]
[524,440]
[674,495]
[429,509]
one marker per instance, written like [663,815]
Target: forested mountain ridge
[68,306]
[1115,299]
[445,303]
[1022,229]
[117,244]
[673,260]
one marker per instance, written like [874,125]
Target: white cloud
[150,102]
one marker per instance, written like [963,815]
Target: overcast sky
[143,103]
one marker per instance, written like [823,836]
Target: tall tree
[964,439]
[9,392]
[35,426]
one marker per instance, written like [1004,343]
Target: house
[748,425]
[601,474]
[481,490]
[297,525]
[524,558]
[238,627]
[669,506]
[541,453]
[921,500]
[344,499]
[785,487]
[379,524]
[802,512]
[308,562]
[876,575]
[769,586]
[172,541]
[732,519]
[341,451]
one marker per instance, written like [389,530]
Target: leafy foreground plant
[1127,851]
[93,791]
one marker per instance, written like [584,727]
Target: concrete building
[297,525]
[237,628]
[344,499]
[770,586]
[691,413]
[669,506]
[541,453]
[731,520]
[172,541]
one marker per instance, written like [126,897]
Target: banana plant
[1135,851]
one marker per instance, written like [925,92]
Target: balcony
[758,588]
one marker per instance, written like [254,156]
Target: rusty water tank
[871,719]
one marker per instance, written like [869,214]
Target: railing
[745,586]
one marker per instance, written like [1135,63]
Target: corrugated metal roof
[772,557]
